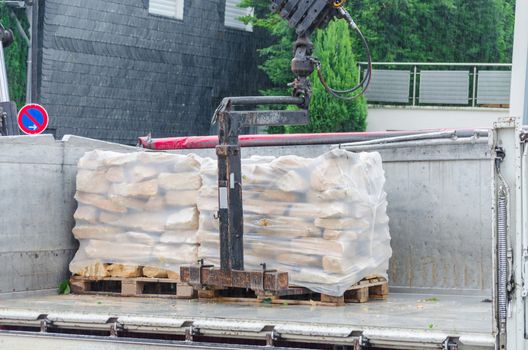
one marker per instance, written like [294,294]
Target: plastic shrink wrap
[323,220]
[136,214]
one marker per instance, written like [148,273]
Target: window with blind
[233,13]
[166,8]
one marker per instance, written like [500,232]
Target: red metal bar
[260,140]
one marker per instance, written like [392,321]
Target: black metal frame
[230,213]
[230,209]
[305,16]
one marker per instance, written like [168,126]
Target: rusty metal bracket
[272,337]
[115,327]
[270,281]
[357,343]
[451,344]
[523,136]
[224,151]
[191,332]
[45,324]
[264,272]
[195,274]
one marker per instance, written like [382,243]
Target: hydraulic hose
[365,82]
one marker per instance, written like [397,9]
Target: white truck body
[458,275]
[442,274]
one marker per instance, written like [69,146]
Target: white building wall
[386,118]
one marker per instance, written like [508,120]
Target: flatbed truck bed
[429,319]
[441,274]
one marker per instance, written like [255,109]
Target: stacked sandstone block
[323,220]
[136,214]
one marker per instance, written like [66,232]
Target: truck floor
[454,315]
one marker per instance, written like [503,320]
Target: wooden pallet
[373,288]
[136,287]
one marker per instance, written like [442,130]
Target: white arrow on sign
[32,127]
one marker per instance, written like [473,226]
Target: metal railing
[447,84]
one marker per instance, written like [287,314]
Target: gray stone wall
[111,71]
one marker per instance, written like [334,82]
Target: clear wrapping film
[136,211]
[323,220]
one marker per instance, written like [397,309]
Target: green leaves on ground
[64,288]
[429,300]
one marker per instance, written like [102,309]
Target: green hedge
[16,54]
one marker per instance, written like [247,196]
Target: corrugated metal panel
[167,8]
[233,13]
[444,87]
[389,86]
[493,87]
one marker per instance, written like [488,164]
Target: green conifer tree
[334,48]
